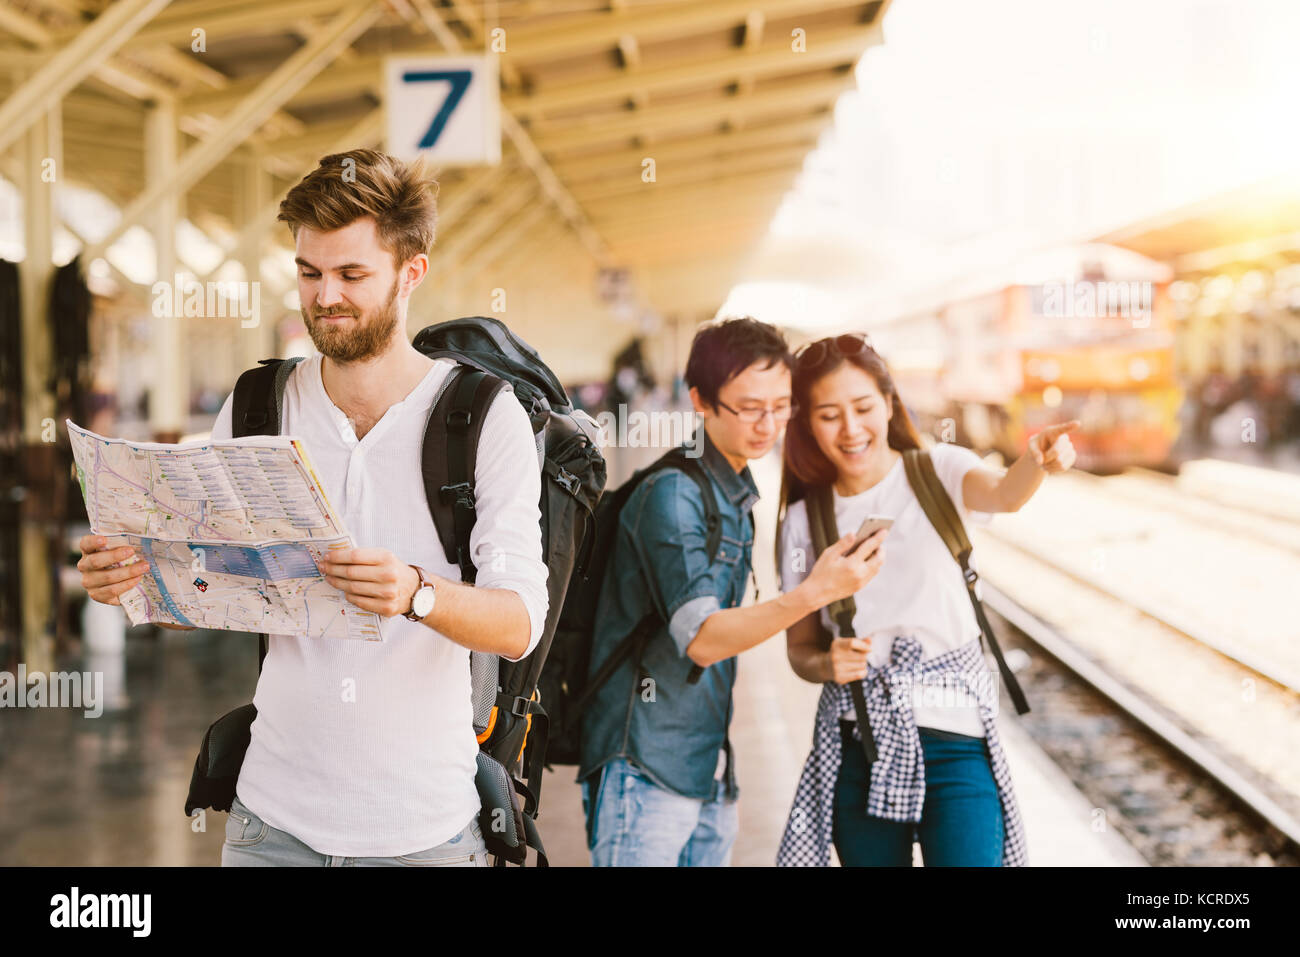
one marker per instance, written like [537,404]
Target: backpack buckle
[970,575]
[567,480]
[459,494]
[520,705]
[459,419]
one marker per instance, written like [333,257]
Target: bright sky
[984,130]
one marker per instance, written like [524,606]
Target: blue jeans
[633,822]
[251,842]
[961,820]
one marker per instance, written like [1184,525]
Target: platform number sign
[444,108]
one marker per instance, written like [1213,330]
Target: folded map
[232,531]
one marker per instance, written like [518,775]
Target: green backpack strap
[939,508]
[821,522]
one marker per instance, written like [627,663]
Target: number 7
[459,80]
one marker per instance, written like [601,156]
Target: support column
[169,391]
[255,342]
[39,427]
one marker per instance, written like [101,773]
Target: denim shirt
[672,730]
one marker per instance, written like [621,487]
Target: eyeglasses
[815,353]
[752,416]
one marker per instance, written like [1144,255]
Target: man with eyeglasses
[658,779]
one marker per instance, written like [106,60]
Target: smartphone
[868,527]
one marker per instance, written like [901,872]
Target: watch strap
[424,583]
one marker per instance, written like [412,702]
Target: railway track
[1156,490]
[1163,657]
[1173,794]
[1184,625]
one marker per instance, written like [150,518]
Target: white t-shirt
[367,749]
[919,589]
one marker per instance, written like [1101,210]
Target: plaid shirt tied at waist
[897,788]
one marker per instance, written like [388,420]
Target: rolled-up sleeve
[669,534]
[506,543]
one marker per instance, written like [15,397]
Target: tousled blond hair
[345,187]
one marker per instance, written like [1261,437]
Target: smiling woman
[847,404]
[891,765]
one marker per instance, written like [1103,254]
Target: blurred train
[1081,333]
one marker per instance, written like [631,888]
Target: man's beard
[367,338]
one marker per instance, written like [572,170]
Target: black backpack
[508,712]
[567,683]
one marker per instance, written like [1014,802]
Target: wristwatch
[423,599]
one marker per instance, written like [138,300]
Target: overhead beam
[455,250]
[233,19]
[838,46]
[585,134]
[532,157]
[281,84]
[755,23]
[469,17]
[718,239]
[600,166]
[658,22]
[672,223]
[367,132]
[318,140]
[675,202]
[467,193]
[103,37]
[707,192]
[719,171]
[841,45]
[492,252]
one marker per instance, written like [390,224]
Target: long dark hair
[803,463]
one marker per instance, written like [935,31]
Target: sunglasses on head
[848,344]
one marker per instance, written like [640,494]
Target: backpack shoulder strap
[825,532]
[938,507]
[937,504]
[259,398]
[256,410]
[821,522]
[678,459]
[449,456]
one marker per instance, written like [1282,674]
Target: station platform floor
[111,790]
[772,734]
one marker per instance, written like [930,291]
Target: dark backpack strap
[449,456]
[533,838]
[938,506]
[255,409]
[259,398]
[632,643]
[825,532]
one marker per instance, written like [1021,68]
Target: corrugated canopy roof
[712,91]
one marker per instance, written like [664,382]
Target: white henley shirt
[367,749]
